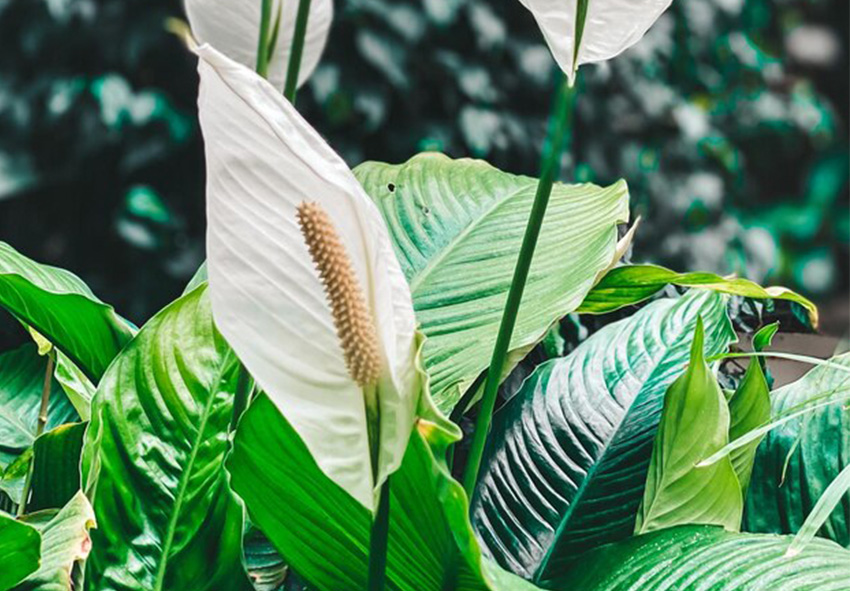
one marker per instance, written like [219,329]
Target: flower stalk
[558,136]
[263,42]
[297,50]
[358,337]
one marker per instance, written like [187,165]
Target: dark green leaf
[154,460]
[694,424]
[798,460]
[56,467]
[19,551]
[568,456]
[457,226]
[323,533]
[63,309]
[705,558]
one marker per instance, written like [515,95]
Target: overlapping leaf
[20,551]
[705,558]
[154,460]
[568,457]
[63,309]
[457,225]
[799,459]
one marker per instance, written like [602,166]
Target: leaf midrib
[540,571]
[184,483]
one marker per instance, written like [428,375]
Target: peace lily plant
[288,417]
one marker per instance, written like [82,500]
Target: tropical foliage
[294,418]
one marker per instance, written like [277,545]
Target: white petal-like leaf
[233,27]
[263,160]
[585,31]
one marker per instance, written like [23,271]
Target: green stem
[263,42]
[39,429]
[378,540]
[560,124]
[297,50]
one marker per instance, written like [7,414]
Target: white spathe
[233,27]
[263,159]
[610,27]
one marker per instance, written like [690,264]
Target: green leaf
[827,503]
[568,456]
[21,383]
[65,544]
[20,551]
[154,460]
[798,459]
[694,424]
[457,226]
[56,466]
[61,307]
[78,388]
[706,558]
[325,537]
[764,337]
[632,284]
[266,568]
[749,409]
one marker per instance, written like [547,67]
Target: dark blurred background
[729,122]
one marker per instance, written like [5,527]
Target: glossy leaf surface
[704,558]
[694,424]
[63,309]
[815,447]
[20,551]
[457,226]
[323,533]
[154,462]
[56,466]
[568,455]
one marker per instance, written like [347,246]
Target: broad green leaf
[568,456]
[324,537]
[631,284]
[694,424]
[827,503]
[586,31]
[234,29]
[77,386]
[457,225]
[61,307]
[705,558]
[56,467]
[749,409]
[268,298]
[799,459]
[65,544]
[154,460]
[21,383]
[19,551]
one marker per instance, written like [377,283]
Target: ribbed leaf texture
[704,558]
[154,460]
[819,448]
[456,227]
[568,456]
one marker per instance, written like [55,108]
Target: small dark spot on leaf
[426,211]
[391,187]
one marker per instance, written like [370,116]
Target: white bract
[233,28]
[608,28]
[263,160]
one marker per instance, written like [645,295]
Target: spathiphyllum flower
[303,279]
[585,31]
[233,27]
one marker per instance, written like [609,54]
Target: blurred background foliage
[729,122]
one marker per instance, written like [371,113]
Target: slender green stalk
[297,50]
[39,429]
[263,42]
[559,131]
[378,540]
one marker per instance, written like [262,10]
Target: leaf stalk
[263,42]
[556,141]
[39,429]
[297,50]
